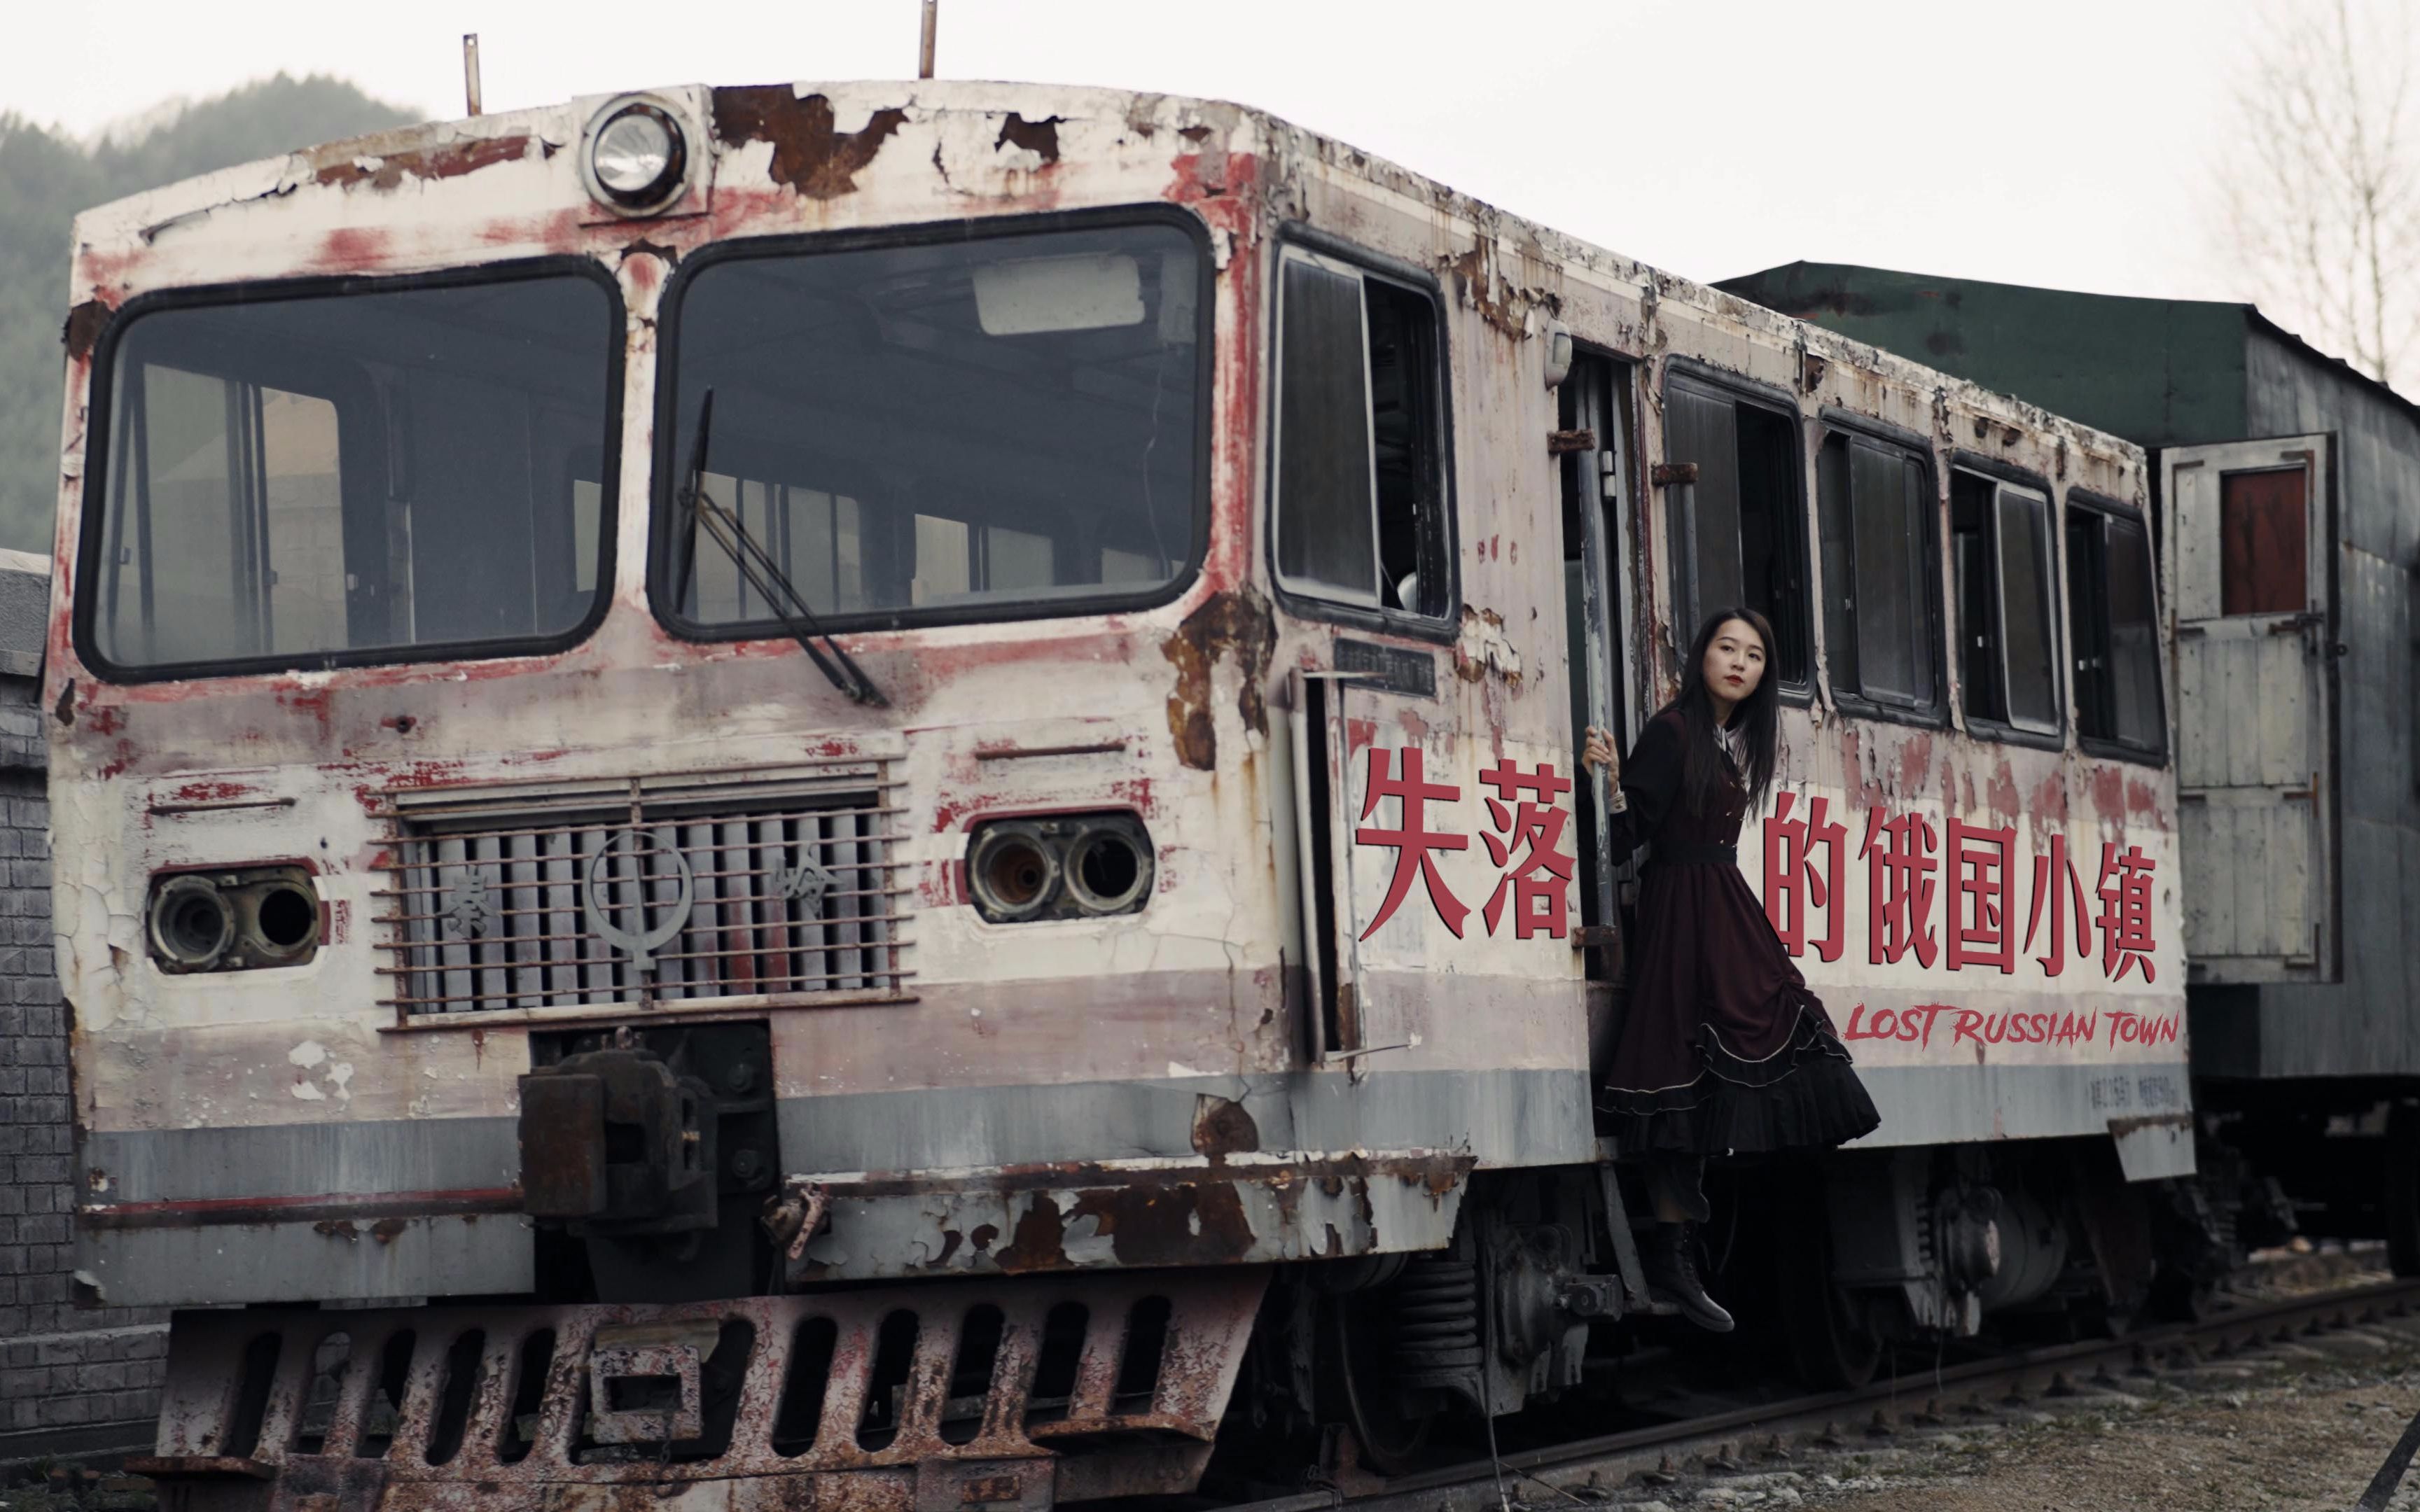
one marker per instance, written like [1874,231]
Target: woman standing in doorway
[1723,1050]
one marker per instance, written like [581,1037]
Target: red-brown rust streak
[809,155]
[83,328]
[180,1213]
[451,160]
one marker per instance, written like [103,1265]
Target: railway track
[1785,1434]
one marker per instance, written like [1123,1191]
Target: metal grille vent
[652,891]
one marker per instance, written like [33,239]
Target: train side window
[1360,494]
[1874,510]
[2000,549]
[2113,624]
[1738,524]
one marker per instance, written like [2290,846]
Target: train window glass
[587,518]
[2000,548]
[1874,516]
[1740,519]
[953,427]
[353,476]
[1360,516]
[2113,624]
[1326,483]
[2026,584]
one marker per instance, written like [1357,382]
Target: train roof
[407,158]
[2163,372]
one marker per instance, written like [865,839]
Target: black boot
[1672,1265]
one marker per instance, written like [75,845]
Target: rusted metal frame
[702,1009]
[511,885]
[1434,1167]
[601,812]
[891,952]
[702,876]
[1210,1315]
[410,836]
[605,792]
[537,992]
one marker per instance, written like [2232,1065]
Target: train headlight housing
[1063,866]
[637,157]
[234,920]
[1014,871]
[191,923]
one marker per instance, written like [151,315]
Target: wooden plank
[2283,712]
[2241,721]
[2197,585]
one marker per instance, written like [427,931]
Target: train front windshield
[938,426]
[354,475]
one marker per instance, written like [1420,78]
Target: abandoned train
[881,777]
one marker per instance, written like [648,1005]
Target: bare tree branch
[2320,194]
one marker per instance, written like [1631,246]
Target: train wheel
[1833,1345]
[1358,1356]
[2402,1205]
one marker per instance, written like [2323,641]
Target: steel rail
[1600,1463]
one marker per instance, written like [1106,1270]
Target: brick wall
[71,1381]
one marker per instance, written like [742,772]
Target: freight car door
[2251,549]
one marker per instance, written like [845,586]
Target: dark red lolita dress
[1722,1049]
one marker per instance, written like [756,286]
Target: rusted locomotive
[844,792]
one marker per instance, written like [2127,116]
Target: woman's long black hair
[1758,714]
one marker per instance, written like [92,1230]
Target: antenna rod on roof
[470,71]
[924,52]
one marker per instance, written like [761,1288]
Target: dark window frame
[1984,727]
[1441,630]
[1782,405]
[100,442]
[1933,713]
[669,404]
[2102,507]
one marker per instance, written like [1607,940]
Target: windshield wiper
[762,573]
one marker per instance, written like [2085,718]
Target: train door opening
[1594,453]
[2251,549]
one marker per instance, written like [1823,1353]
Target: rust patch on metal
[1040,1242]
[1189,1225]
[669,257]
[1038,137]
[2120,1128]
[451,160]
[385,1229]
[1237,622]
[83,328]
[1222,1127]
[1486,290]
[809,155]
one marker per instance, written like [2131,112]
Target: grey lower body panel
[1942,1105]
[1185,1171]
[208,1265]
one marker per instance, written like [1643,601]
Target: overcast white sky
[2057,142]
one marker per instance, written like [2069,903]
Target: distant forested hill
[45,178]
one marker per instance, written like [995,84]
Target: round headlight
[637,155]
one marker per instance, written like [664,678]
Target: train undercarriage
[1028,1390]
